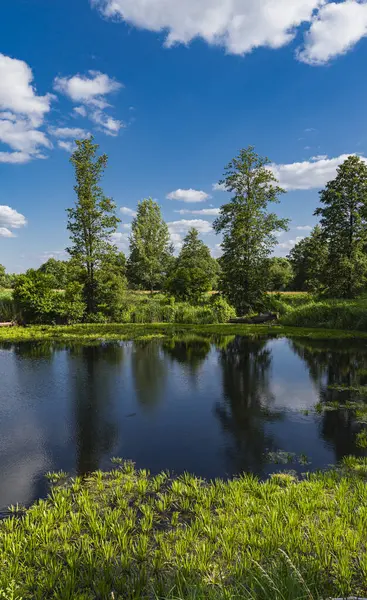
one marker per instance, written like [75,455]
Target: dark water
[211,407]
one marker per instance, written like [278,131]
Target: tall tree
[308,260]
[58,269]
[150,247]
[195,270]
[344,224]
[92,220]
[248,228]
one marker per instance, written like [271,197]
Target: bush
[221,309]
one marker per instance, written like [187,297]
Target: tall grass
[329,314]
[127,535]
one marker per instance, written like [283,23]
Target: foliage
[195,270]
[126,534]
[280,274]
[308,260]
[248,229]
[344,225]
[58,269]
[329,314]
[150,248]
[92,221]
[35,297]
[7,280]
[38,302]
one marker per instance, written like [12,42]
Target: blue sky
[171,91]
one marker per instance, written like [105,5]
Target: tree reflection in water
[336,363]
[246,408]
[149,373]
[93,399]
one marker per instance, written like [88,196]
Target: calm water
[211,407]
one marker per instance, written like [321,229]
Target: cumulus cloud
[90,92]
[23,112]
[80,110]
[68,132]
[183,225]
[128,211]
[219,187]
[10,219]
[85,89]
[67,146]
[188,195]
[121,240]
[237,25]
[107,124]
[303,228]
[203,211]
[289,244]
[5,232]
[336,28]
[306,175]
[18,95]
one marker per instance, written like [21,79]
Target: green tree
[344,225]
[195,270]
[280,274]
[248,228]
[150,248]
[2,276]
[92,220]
[58,269]
[308,260]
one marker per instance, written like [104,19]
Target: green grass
[329,314]
[125,535]
[118,331]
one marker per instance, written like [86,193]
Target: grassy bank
[119,331]
[328,314]
[126,535]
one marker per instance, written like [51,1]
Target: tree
[195,270]
[150,247]
[344,225]
[308,259]
[93,219]
[248,228]
[280,274]
[58,269]
[2,276]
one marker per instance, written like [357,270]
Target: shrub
[222,311]
[35,297]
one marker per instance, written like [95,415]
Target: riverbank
[126,535]
[85,333]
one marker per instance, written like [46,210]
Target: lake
[215,407]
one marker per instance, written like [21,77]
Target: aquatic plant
[126,534]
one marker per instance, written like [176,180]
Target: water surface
[214,407]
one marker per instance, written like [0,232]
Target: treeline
[92,285]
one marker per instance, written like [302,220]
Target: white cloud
[68,146]
[188,195]
[127,211]
[17,93]
[336,28]
[69,132]
[9,217]
[203,211]
[121,240]
[4,232]
[184,225]
[306,175]
[15,158]
[238,25]
[108,124]
[88,90]
[303,228]
[219,187]
[80,110]
[289,244]
[91,90]
[22,137]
